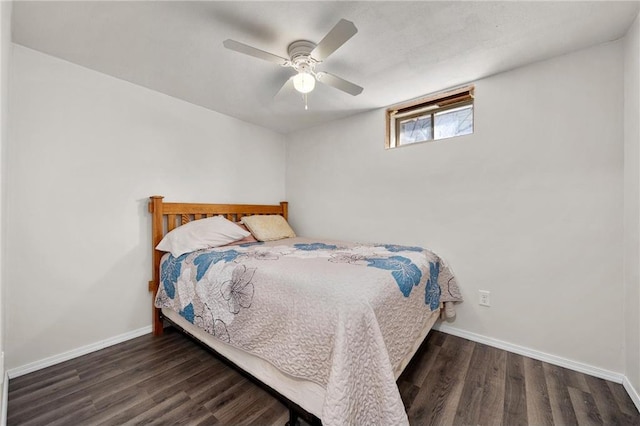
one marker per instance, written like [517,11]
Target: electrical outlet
[485,297]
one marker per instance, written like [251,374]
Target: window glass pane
[454,122]
[415,130]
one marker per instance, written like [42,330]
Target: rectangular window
[439,116]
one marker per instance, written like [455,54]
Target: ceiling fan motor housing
[300,48]
[300,54]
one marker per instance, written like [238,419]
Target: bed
[328,325]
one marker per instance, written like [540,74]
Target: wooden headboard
[168,216]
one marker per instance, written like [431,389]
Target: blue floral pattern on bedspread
[204,261]
[396,248]
[433,291]
[188,313]
[170,271]
[315,246]
[406,274]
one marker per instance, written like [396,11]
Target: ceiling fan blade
[286,87]
[339,83]
[338,36]
[252,51]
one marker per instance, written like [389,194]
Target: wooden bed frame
[167,216]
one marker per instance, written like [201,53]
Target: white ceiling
[402,50]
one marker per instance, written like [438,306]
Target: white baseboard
[531,353]
[65,356]
[633,393]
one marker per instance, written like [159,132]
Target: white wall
[5,52]
[528,207]
[632,202]
[86,150]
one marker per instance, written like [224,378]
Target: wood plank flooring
[171,380]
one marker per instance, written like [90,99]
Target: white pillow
[268,227]
[202,233]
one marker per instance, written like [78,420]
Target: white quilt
[340,314]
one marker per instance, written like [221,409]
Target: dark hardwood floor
[171,380]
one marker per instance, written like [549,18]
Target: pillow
[245,240]
[199,234]
[268,227]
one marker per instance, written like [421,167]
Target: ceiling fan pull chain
[306,107]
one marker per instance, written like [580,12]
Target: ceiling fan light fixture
[304,82]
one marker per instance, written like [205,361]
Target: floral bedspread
[343,315]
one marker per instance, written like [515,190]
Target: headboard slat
[171,222]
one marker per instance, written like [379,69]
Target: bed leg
[158,325]
[293,418]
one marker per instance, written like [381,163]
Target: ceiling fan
[304,55]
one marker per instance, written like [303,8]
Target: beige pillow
[268,227]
